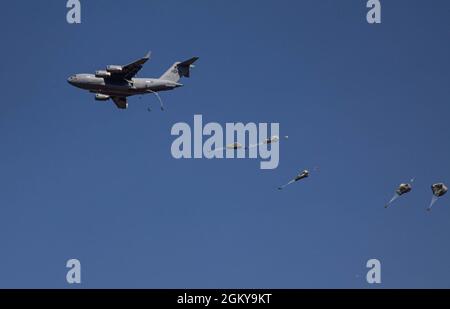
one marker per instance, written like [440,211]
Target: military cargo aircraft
[118,82]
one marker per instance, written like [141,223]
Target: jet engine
[102,74]
[102,97]
[114,68]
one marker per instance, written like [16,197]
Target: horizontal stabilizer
[178,70]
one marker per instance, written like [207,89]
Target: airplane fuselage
[121,87]
[118,82]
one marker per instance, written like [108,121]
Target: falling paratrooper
[402,189]
[232,146]
[301,175]
[267,141]
[438,189]
[236,146]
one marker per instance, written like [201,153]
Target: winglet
[147,56]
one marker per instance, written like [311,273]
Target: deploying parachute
[402,189]
[439,189]
[267,141]
[271,140]
[301,175]
[234,146]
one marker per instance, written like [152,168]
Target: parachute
[304,174]
[301,175]
[267,141]
[402,189]
[234,146]
[229,146]
[438,189]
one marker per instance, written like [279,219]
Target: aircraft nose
[71,80]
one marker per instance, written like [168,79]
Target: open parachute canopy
[402,189]
[301,175]
[438,189]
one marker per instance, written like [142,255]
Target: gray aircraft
[118,82]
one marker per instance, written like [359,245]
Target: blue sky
[81,179]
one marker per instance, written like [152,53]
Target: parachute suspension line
[284,186]
[433,200]
[396,196]
[159,98]
[217,150]
[253,146]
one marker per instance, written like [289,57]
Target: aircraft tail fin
[179,69]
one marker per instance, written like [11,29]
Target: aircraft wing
[121,102]
[130,70]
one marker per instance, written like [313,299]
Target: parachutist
[271,140]
[401,190]
[301,175]
[438,189]
[234,146]
[267,141]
